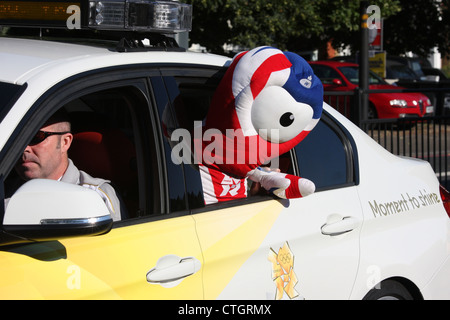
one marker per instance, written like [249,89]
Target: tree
[249,23]
[343,20]
[210,24]
[294,25]
[419,27]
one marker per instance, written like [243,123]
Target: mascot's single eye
[277,117]
[287,119]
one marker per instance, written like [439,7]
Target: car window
[176,188]
[400,72]
[9,93]
[109,133]
[190,94]
[325,74]
[323,156]
[352,74]
[415,66]
[118,114]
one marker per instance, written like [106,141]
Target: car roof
[335,64]
[22,59]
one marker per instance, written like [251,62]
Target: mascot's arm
[283,185]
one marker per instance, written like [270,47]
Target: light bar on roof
[140,15]
[119,15]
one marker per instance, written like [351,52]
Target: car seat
[109,154]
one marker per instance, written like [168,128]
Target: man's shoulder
[86,178]
[76,176]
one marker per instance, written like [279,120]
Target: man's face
[47,159]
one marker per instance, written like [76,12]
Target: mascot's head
[270,94]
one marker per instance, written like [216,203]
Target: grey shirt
[101,186]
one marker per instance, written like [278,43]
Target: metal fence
[425,138]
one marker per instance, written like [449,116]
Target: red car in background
[344,76]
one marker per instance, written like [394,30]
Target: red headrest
[108,154]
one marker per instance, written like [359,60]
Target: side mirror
[44,210]
[337,82]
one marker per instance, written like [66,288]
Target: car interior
[106,144]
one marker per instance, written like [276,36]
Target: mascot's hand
[285,186]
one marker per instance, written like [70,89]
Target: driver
[46,157]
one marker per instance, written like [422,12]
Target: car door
[244,242]
[289,249]
[153,252]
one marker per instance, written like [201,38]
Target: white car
[377,227]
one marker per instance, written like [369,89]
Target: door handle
[170,270]
[336,225]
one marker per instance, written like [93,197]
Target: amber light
[35,10]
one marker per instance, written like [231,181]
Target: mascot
[267,102]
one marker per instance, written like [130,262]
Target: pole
[364,63]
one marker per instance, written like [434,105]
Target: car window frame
[350,152]
[328,81]
[74,87]
[203,71]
